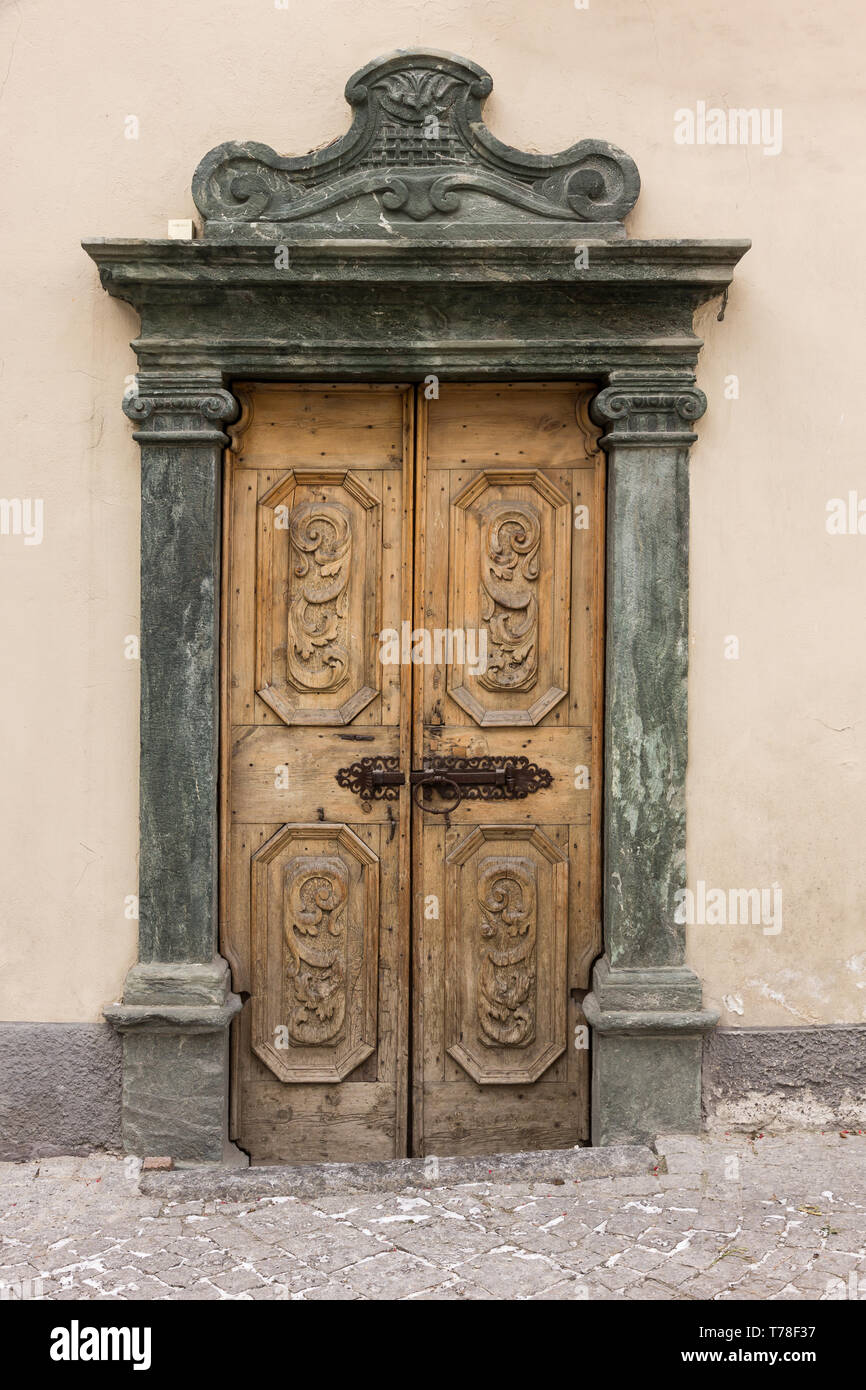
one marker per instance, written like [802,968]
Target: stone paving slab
[724,1217]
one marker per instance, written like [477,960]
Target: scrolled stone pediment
[417,157]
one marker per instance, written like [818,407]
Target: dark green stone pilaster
[177,1001]
[645,1006]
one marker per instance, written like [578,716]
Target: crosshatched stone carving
[315,912]
[506,934]
[417,155]
[511,558]
[319,555]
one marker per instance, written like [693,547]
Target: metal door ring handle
[436,779]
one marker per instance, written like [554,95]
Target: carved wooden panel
[510,583]
[314,916]
[318,597]
[506,936]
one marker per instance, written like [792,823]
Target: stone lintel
[131,268]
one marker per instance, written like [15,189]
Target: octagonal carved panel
[510,580]
[505,979]
[315,934]
[319,551]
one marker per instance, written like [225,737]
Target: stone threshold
[312,1179]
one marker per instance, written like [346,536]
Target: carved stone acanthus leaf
[417,152]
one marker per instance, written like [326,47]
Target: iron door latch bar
[470,779]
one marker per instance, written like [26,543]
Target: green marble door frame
[532,295]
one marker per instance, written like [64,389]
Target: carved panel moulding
[319,545]
[506,976]
[315,910]
[505,954]
[516,527]
[509,576]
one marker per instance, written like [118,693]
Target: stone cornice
[130,268]
[402,309]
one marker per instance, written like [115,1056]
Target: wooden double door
[412,653]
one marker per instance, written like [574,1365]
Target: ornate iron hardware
[464,779]
[375,778]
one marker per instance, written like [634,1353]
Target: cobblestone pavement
[772,1217]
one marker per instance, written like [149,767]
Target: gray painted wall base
[786,1078]
[60,1089]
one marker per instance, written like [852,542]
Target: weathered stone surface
[304,1179]
[760,1077]
[180,529]
[189,984]
[646,663]
[174,1019]
[417,153]
[407,308]
[645,1006]
[645,1084]
[174,1094]
[177,1002]
[61,1089]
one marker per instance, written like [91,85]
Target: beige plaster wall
[776,788]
